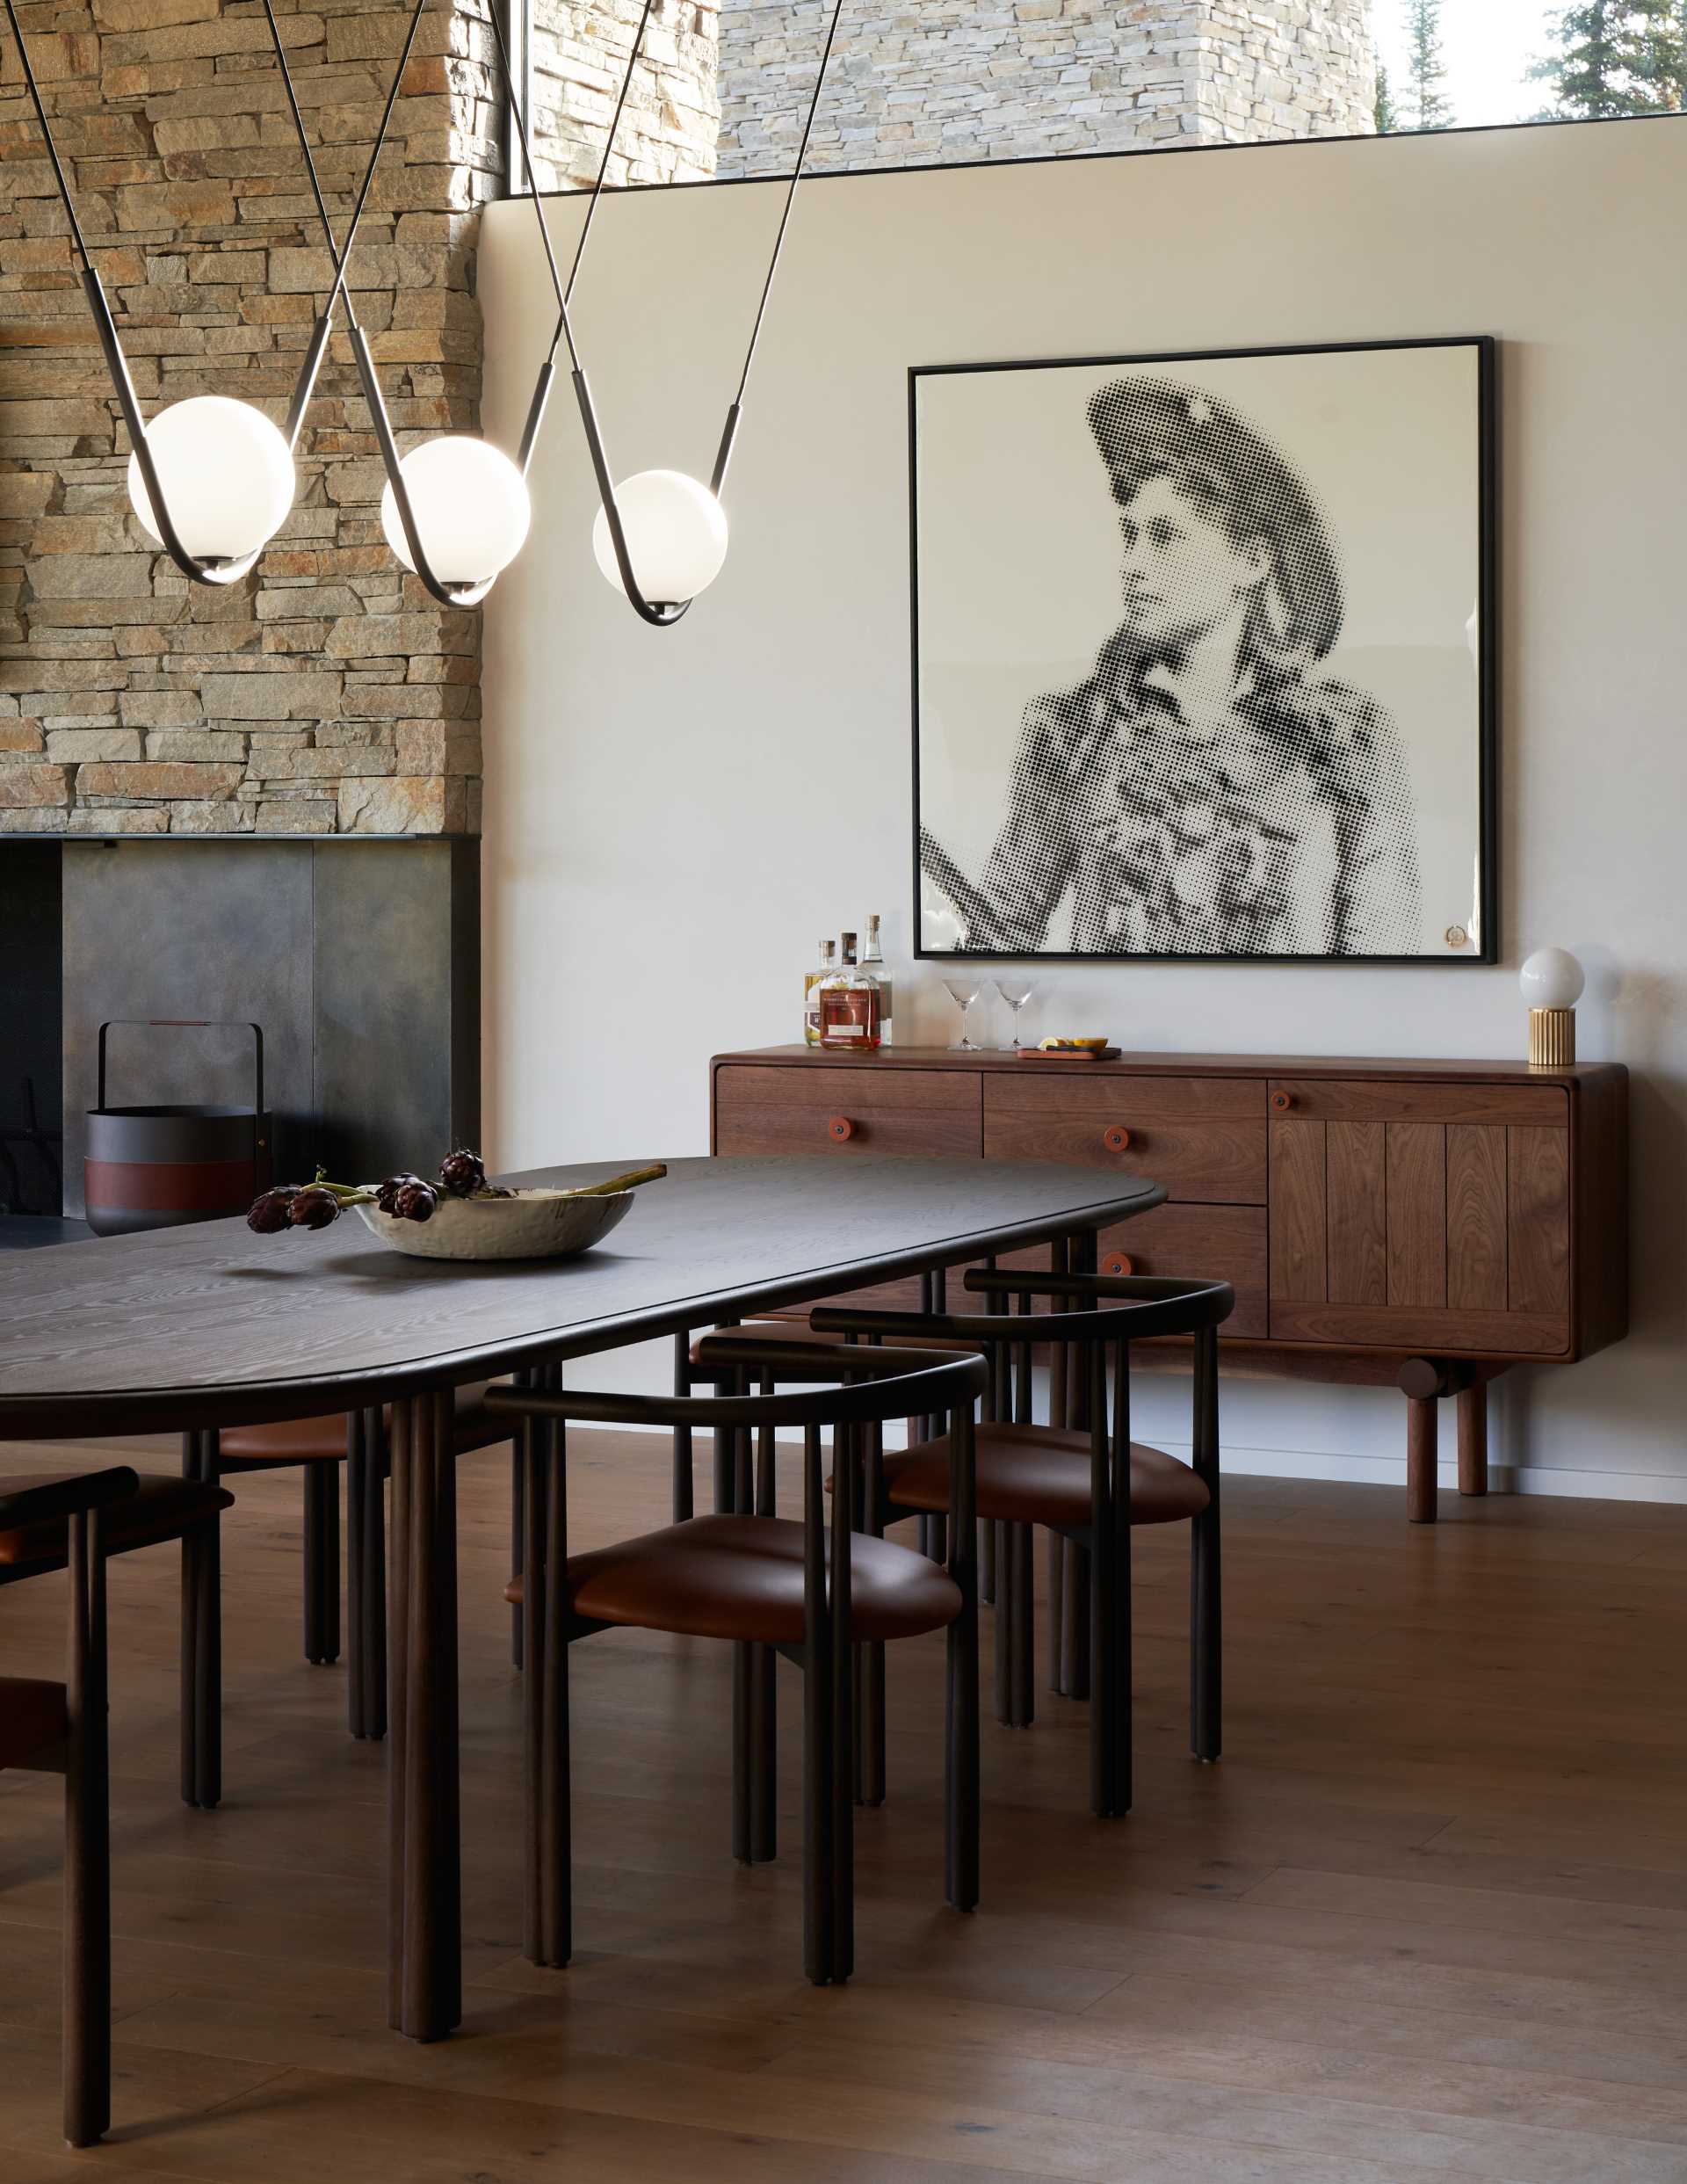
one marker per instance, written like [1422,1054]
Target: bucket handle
[188,1023]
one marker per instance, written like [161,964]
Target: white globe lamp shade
[471,508]
[676,533]
[227,476]
[1551,979]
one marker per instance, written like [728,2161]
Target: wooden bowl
[527,1224]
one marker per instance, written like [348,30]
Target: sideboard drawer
[1203,1138]
[845,1110]
[1217,1242]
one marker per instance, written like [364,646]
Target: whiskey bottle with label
[849,1005]
[873,961]
[811,993]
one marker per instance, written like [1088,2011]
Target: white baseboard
[1502,1478]
[1361,1470]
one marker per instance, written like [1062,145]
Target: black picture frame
[1487,950]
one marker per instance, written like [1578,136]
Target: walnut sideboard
[1418,1225]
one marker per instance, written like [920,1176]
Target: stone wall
[931,80]
[327,693]
[672,117]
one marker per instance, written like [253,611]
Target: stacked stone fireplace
[328,693]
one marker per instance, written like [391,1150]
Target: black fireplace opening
[31,1008]
[358,960]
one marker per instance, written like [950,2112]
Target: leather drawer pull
[1282,1101]
[1117,1139]
[1117,1264]
[841,1127]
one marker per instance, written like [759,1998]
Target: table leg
[425,1878]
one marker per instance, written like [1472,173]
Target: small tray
[1069,1054]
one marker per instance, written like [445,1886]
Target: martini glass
[964,988]
[1016,992]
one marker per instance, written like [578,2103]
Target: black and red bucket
[162,1166]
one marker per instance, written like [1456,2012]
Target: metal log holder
[199,569]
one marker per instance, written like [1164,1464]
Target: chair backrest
[1143,1306]
[1117,1309]
[885,1384]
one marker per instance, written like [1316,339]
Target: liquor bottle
[872,960]
[849,1004]
[811,993]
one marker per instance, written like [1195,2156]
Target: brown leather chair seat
[729,1577]
[1040,1474]
[33,1719]
[322,1440]
[159,1509]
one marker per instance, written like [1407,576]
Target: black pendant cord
[339,257]
[659,613]
[199,569]
[456,595]
[725,455]
[663,614]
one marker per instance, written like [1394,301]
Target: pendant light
[661,536]
[210,478]
[455,510]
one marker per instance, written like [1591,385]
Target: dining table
[210,1325]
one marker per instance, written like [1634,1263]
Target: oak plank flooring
[1426,1919]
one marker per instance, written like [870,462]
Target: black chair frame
[879,1387]
[201,1722]
[366,1468]
[1123,1309]
[84,1763]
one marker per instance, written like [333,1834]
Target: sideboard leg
[1472,1438]
[1421,1458]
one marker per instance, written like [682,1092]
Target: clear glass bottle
[811,993]
[849,1005]
[873,961]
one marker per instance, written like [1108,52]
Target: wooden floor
[1426,1921]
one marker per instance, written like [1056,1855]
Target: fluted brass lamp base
[1552,1038]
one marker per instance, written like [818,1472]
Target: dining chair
[1075,1482]
[318,1445]
[61,1729]
[774,1586]
[36,1537]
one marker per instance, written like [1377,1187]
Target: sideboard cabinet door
[1421,1215]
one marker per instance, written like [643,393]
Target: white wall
[674,817]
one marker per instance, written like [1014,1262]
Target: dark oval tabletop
[211,1324]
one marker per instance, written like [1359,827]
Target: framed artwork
[1204,656]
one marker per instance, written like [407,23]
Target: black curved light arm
[457,595]
[199,569]
[661,614]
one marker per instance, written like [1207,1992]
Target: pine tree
[1615,58]
[1386,114]
[1428,105]
[1664,68]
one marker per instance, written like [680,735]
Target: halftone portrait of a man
[1267,741]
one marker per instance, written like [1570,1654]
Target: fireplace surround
[359,960]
